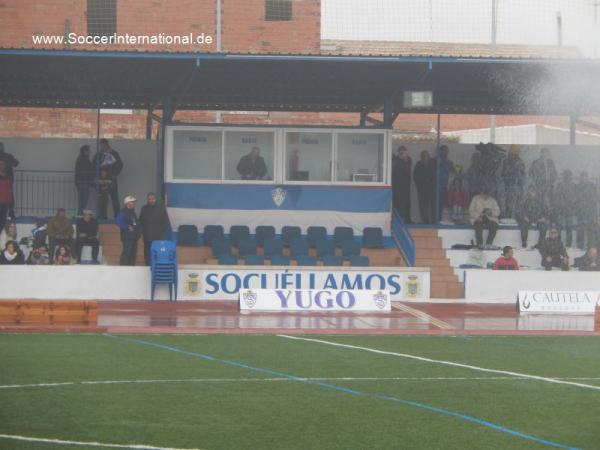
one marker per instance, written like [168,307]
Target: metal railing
[403,240]
[42,192]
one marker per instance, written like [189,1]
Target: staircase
[431,254]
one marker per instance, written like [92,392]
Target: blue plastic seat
[325,247]
[289,233]
[280,260]
[305,260]
[187,235]
[163,266]
[314,234]
[238,232]
[254,260]
[212,232]
[273,246]
[341,234]
[298,247]
[228,260]
[246,246]
[372,237]
[163,252]
[360,261]
[264,232]
[350,248]
[221,246]
[330,260]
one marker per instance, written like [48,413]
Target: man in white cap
[127,221]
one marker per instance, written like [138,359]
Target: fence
[42,192]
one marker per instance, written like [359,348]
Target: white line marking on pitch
[447,363]
[423,316]
[235,380]
[88,444]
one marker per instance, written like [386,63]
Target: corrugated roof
[447,49]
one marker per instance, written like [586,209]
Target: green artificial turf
[246,393]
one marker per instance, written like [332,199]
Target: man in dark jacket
[553,251]
[513,177]
[445,170]
[532,211]
[5,193]
[11,163]
[252,166]
[564,205]
[401,179]
[543,173]
[425,175]
[587,211]
[127,222]
[87,234]
[84,177]
[588,262]
[110,161]
[155,223]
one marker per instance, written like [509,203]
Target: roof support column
[572,130]
[388,113]
[168,109]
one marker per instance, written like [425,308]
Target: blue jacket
[125,219]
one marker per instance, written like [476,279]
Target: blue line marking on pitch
[419,405]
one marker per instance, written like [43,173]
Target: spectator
[401,181]
[12,254]
[60,231]
[532,211]
[425,179]
[39,256]
[587,210]
[474,175]
[10,163]
[543,173]
[252,166]
[155,223]
[507,260]
[109,160]
[63,256]
[564,205]
[484,212]
[588,262]
[84,177]
[40,233]
[105,185]
[9,233]
[457,201]
[513,178]
[127,222]
[553,251]
[6,196]
[445,169]
[87,234]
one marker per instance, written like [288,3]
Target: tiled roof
[447,49]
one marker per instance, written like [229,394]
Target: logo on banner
[413,286]
[249,297]
[278,195]
[193,284]
[380,299]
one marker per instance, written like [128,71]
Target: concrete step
[423,232]
[442,289]
[430,253]
[428,242]
[438,262]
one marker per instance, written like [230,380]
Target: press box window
[197,155]
[359,157]
[101,17]
[278,10]
[308,156]
[249,155]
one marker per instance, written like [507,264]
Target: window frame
[291,8]
[87,21]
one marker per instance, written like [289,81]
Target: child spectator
[9,233]
[588,262]
[507,260]
[60,230]
[39,256]
[553,251]
[457,201]
[105,186]
[12,254]
[63,256]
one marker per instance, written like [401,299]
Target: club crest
[249,298]
[278,195]
[380,299]
[193,284]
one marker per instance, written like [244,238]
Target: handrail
[41,192]
[402,238]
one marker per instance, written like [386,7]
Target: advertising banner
[225,283]
[313,300]
[563,302]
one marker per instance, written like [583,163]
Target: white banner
[564,302]
[307,300]
[218,283]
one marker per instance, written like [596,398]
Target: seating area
[263,246]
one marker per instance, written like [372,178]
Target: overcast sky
[519,21]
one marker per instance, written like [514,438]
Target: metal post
[388,113]
[437,175]
[166,118]
[97,161]
[218,114]
[493,53]
[572,130]
[149,125]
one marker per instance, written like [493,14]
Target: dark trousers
[401,196]
[482,223]
[82,242]
[512,195]
[54,243]
[129,253]
[11,206]
[566,223]
[4,207]
[83,195]
[585,227]
[556,262]
[426,199]
[442,196]
[113,193]
[542,227]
